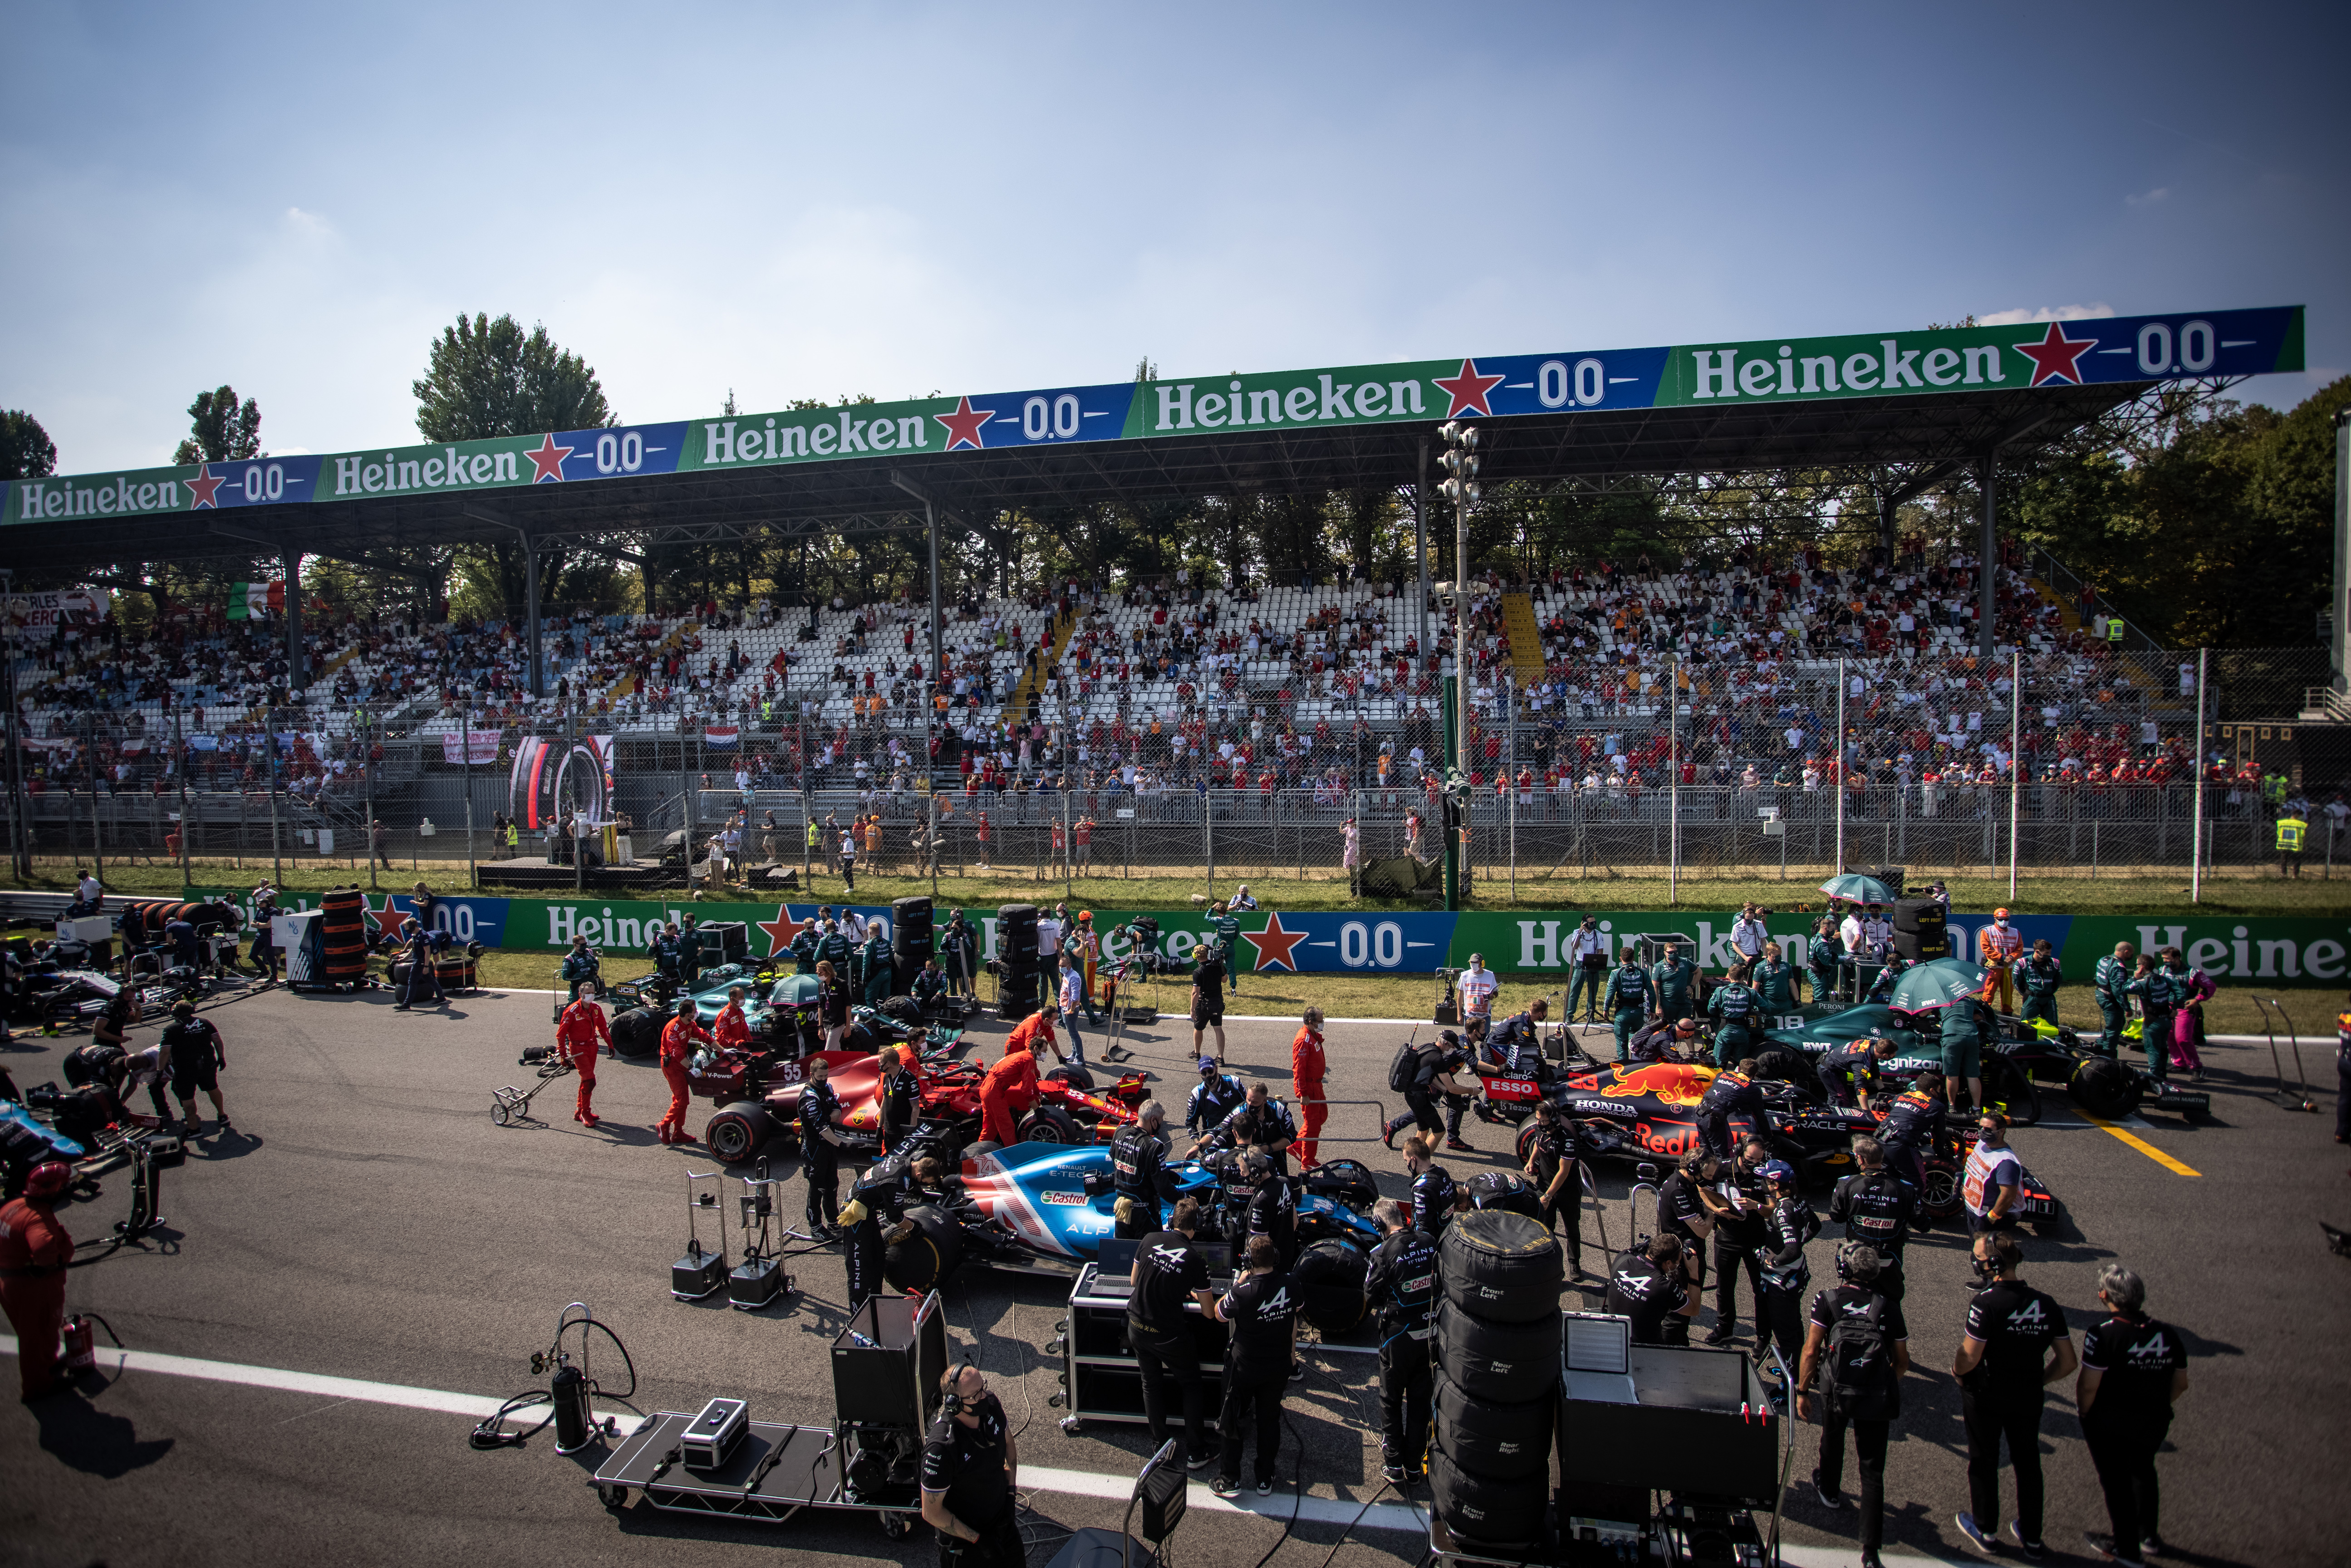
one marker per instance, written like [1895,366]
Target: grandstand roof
[1822,404]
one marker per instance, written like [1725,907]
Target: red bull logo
[1670,1083]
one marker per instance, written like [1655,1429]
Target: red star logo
[963,425]
[1467,390]
[782,929]
[204,484]
[546,463]
[1274,944]
[388,919]
[2052,358]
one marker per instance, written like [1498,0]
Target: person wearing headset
[1860,1338]
[971,1464]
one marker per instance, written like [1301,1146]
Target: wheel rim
[1941,1189]
[729,1140]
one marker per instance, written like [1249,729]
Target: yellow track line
[2143,1146]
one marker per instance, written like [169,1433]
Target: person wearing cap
[1216,1096]
[1665,1040]
[1477,987]
[1087,945]
[1998,945]
[33,1251]
[1788,1224]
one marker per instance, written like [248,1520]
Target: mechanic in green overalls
[1775,981]
[832,948]
[2112,983]
[804,950]
[1228,937]
[874,969]
[2039,976]
[1632,996]
[1677,981]
[1733,1010]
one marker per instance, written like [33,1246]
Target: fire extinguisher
[80,1352]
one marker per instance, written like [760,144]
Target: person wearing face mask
[1587,958]
[2015,1344]
[1998,947]
[1632,996]
[971,1465]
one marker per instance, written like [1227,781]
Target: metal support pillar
[1420,542]
[1987,564]
[2015,758]
[293,681]
[1836,770]
[2196,824]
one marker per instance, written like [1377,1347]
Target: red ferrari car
[759,1105]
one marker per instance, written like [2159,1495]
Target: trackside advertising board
[1531,943]
[1907,363]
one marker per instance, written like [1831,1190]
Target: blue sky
[806,202]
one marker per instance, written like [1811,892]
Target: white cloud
[2161,193]
[2044,313]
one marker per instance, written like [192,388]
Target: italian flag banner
[252,601]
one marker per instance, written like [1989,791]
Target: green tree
[219,430]
[485,379]
[26,450]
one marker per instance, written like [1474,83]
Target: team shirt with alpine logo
[1638,1290]
[1259,1308]
[1875,1208]
[966,1463]
[2017,1324]
[1401,1283]
[2136,1356]
[1169,1270]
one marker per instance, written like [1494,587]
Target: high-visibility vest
[2289,831]
[2113,629]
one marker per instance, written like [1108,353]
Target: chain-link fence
[2058,762]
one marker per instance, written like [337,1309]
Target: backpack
[1860,1374]
[1403,1071]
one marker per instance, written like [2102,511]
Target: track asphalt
[367,1222]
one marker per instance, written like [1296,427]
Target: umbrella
[1858,888]
[1938,983]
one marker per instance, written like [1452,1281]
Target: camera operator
[1433,1069]
[970,1467]
[1555,1165]
[1167,1269]
[1856,1333]
[1632,996]
[2133,1371]
[1650,1287]
[1208,1001]
[1401,1285]
[1876,1209]
[1587,958]
[2016,1344]
[1138,1167]
[1739,1239]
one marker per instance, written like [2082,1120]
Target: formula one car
[759,1098]
[2028,1053]
[782,1011]
[54,995]
[1048,1206]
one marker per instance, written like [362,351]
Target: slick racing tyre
[1505,1268]
[906,1009]
[1488,1438]
[923,1250]
[1049,1124]
[1329,1276]
[1504,1192]
[2105,1088]
[1485,1508]
[1510,1363]
[738,1132]
[1347,1182]
[636,1031]
[1075,1076]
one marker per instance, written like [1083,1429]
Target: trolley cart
[1100,1379]
[774,1472]
[510,1104]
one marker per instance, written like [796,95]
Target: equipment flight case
[1101,1380]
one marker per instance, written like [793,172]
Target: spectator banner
[1910,363]
[253,601]
[476,746]
[68,607]
[1529,944]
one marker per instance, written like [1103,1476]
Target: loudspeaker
[1016,951]
[910,944]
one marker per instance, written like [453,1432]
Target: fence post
[1069,846]
[2196,824]
[179,761]
[2015,757]
[1209,835]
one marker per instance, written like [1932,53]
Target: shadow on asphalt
[84,1438]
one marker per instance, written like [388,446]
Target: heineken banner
[1530,943]
[1908,363]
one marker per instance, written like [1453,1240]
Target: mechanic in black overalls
[1262,1123]
[1554,1164]
[1432,1184]
[820,1112]
[1739,1238]
[1665,1040]
[1514,1046]
[1272,1210]
[898,1095]
[1138,1165]
[1401,1285]
[1649,1288]
[1849,1071]
[1733,1093]
[1167,1269]
[1913,1127]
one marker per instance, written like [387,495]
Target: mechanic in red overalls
[730,1027]
[1307,1066]
[33,1252]
[577,1033]
[1010,1086]
[678,1042]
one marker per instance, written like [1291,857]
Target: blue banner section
[1045,418]
[1545,384]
